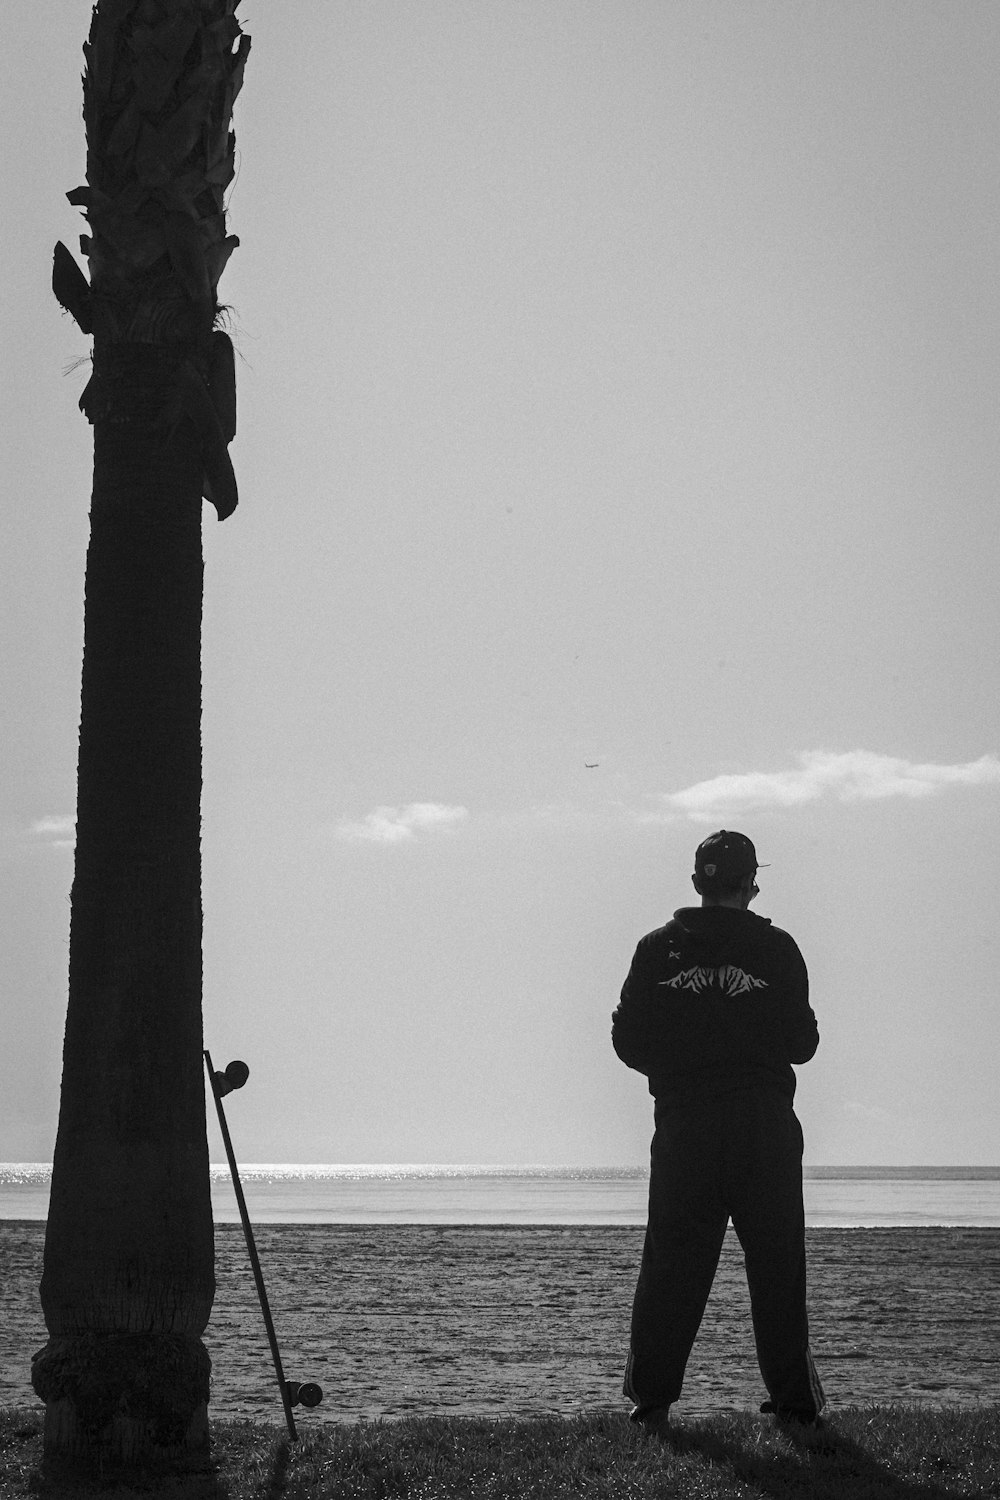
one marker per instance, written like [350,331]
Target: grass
[864,1453]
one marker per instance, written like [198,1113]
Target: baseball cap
[725,858]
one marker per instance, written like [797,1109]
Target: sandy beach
[424,1319]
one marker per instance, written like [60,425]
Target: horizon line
[513,1168]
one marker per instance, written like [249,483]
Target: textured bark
[128,1277]
[129,1244]
[124,1400]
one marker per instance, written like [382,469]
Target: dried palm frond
[159,86]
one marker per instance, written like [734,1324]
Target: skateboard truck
[234,1077]
[308,1394]
[292,1392]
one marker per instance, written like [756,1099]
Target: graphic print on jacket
[727,978]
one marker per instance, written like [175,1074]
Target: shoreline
[320,1220]
[496,1197]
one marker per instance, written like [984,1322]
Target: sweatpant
[736,1158]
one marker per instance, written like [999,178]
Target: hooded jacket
[715,1003]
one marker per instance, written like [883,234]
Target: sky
[618,457]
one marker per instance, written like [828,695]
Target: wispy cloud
[395,825]
[855,775]
[58,831]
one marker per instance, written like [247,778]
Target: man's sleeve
[632,1024]
[801,1030]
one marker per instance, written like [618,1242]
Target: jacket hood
[712,931]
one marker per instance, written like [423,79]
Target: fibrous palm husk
[159,86]
[158,94]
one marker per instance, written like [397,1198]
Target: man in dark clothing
[714,1011]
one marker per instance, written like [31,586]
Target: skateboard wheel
[237,1074]
[307,1394]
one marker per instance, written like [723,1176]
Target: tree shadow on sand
[824,1465]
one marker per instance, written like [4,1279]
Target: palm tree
[128,1276]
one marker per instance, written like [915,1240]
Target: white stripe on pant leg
[627,1388]
[815,1385]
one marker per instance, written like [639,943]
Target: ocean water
[283,1193]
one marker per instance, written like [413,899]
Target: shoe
[793,1416]
[654,1420]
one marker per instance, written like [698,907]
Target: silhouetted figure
[714,1011]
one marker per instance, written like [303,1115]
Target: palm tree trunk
[128,1277]
[129,1259]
